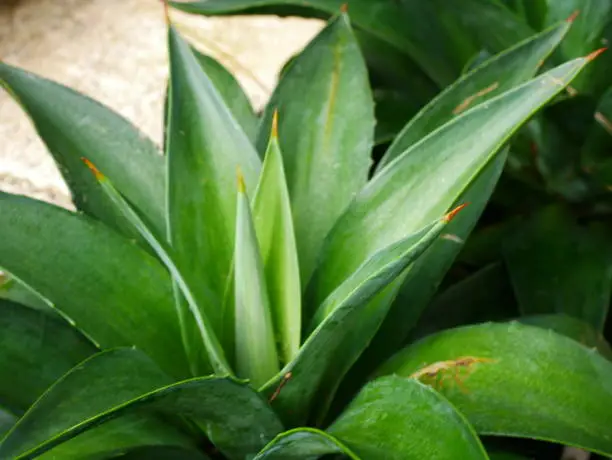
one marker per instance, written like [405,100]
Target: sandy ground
[114,50]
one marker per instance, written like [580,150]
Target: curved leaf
[303,443]
[326,130]
[35,351]
[528,382]
[333,342]
[396,418]
[276,238]
[115,292]
[74,126]
[120,381]
[205,145]
[497,75]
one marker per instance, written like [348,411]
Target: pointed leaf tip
[240,178]
[573,16]
[451,215]
[595,53]
[275,125]
[96,172]
[166,11]
[344,8]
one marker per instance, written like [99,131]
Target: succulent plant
[238,296]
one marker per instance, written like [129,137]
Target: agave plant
[229,298]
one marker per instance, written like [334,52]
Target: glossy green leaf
[205,145]
[537,384]
[501,73]
[35,350]
[326,130]
[256,356]
[397,418]
[557,267]
[160,453]
[303,443]
[121,381]
[333,343]
[74,126]
[573,328]
[232,93]
[207,336]
[115,292]
[427,178]
[276,238]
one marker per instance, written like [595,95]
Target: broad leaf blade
[205,145]
[35,351]
[275,234]
[497,75]
[303,443]
[557,267]
[326,129]
[256,356]
[396,418]
[232,93]
[229,408]
[114,291]
[524,388]
[73,126]
[334,343]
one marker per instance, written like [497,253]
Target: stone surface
[114,51]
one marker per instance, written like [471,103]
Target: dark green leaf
[7,421]
[526,382]
[161,453]
[74,126]
[303,443]
[397,418]
[114,291]
[326,130]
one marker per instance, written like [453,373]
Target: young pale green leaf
[397,418]
[326,130]
[426,179]
[256,355]
[557,267]
[73,126]
[523,381]
[35,351]
[122,381]
[497,75]
[232,93]
[303,443]
[115,292]
[209,340]
[333,342]
[205,144]
[276,238]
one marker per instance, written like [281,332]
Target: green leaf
[573,328]
[14,291]
[523,387]
[396,418]
[326,130]
[202,161]
[115,292]
[557,267]
[73,126]
[427,178]
[232,93]
[276,238]
[161,453]
[497,75]
[333,342]
[7,421]
[35,350]
[207,336]
[303,443]
[123,381]
[256,356]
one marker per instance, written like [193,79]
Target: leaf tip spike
[166,11]
[451,215]
[96,172]
[240,178]
[573,16]
[595,53]
[344,8]
[275,124]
